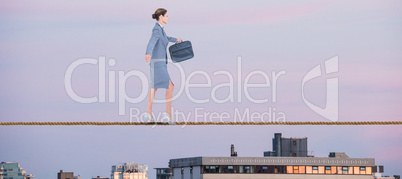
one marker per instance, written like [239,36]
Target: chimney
[277,144]
[232,152]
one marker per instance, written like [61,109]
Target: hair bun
[153,16]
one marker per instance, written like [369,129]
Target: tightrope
[196,123]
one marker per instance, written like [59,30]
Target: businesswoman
[156,56]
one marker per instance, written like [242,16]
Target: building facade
[12,170]
[287,147]
[340,166]
[288,159]
[164,173]
[129,171]
[66,175]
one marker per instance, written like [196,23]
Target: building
[129,171]
[287,147]
[273,167]
[232,151]
[164,173]
[288,159]
[12,170]
[377,173]
[67,175]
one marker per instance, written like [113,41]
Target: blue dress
[157,48]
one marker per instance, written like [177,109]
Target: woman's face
[164,18]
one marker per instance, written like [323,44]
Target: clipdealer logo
[119,78]
[330,111]
[237,80]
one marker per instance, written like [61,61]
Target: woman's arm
[151,44]
[172,39]
[154,38]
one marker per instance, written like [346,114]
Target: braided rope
[200,123]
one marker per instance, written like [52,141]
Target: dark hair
[158,12]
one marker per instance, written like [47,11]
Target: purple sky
[40,39]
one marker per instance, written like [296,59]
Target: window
[356,170]
[247,169]
[263,169]
[302,169]
[293,154]
[345,170]
[362,168]
[280,169]
[295,169]
[315,169]
[321,169]
[211,169]
[328,170]
[230,169]
[289,169]
[309,169]
[294,143]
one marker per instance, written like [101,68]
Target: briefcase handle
[179,42]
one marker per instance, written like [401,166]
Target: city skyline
[226,152]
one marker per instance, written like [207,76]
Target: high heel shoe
[148,118]
[165,115]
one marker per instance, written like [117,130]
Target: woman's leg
[151,97]
[169,94]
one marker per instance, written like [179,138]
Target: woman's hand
[148,58]
[178,40]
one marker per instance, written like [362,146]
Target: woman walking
[156,56]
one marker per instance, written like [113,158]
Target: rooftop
[340,160]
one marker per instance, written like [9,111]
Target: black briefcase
[181,51]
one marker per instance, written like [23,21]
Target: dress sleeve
[154,38]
